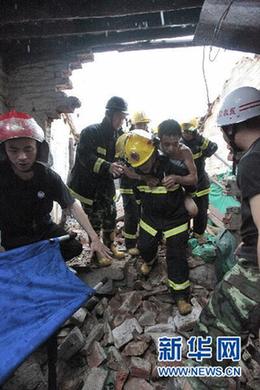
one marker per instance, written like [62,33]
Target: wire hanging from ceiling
[214,39]
[204,76]
[217,31]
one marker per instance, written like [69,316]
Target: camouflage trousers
[102,213]
[233,310]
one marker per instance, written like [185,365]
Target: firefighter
[131,204]
[163,213]
[140,120]
[201,148]
[234,307]
[28,188]
[92,176]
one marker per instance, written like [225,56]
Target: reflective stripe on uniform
[101,150]
[197,155]
[130,236]
[177,230]
[205,144]
[157,190]
[126,191]
[178,286]
[98,164]
[81,198]
[149,229]
[206,191]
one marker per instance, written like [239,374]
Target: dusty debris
[125,332]
[95,379]
[71,345]
[96,355]
[112,341]
[135,348]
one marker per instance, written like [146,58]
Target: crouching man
[28,188]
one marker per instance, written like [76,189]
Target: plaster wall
[245,73]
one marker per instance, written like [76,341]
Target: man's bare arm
[255,210]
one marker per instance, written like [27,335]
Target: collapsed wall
[245,73]
[37,88]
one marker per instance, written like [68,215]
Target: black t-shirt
[248,179]
[25,205]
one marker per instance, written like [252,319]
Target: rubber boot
[108,239]
[133,251]
[103,261]
[147,267]
[184,307]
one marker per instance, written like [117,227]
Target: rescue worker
[163,213]
[201,148]
[234,307]
[140,120]
[92,176]
[28,189]
[131,204]
[169,133]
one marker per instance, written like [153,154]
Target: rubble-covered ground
[111,342]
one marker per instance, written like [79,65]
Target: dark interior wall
[3,89]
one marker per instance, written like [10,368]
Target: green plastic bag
[207,251]
[226,244]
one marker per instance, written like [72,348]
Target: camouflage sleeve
[233,310]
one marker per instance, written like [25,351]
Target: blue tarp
[38,293]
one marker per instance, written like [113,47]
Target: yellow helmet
[139,117]
[138,147]
[191,126]
[120,144]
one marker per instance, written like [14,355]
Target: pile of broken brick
[112,341]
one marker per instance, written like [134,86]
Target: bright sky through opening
[165,83]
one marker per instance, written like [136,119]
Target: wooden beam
[11,61]
[15,11]
[24,52]
[145,46]
[91,42]
[101,25]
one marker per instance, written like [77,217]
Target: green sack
[207,251]
[226,244]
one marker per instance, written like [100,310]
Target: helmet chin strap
[234,148]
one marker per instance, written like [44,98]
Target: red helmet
[21,125]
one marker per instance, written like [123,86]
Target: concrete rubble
[112,342]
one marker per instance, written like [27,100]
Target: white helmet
[239,105]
